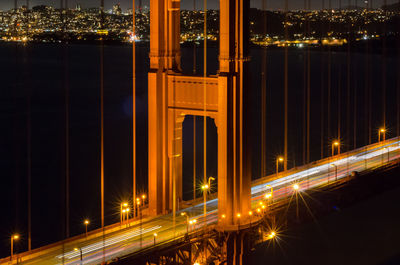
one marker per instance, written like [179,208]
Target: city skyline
[126,4]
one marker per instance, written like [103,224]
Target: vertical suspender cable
[64,19]
[205,122]
[102,125]
[66,86]
[194,157]
[263,92]
[339,106]
[308,84]
[134,107]
[329,71]
[102,113]
[304,88]
[367,104]
[384,81]
[194,43]
[29,159]
[286,86]
[205,109]
[398,74]
[194,117]
[339,118]
[322,101]
[348,81]
[355,108]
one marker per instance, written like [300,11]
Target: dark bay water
[41,73]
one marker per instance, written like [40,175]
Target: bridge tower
[172,96]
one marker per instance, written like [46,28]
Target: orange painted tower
[226,97]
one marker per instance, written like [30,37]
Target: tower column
[234,154]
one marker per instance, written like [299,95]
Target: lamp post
[143,199]
[86,223]
[193,222]
[335,143]
[382,131]
[333,165]
[250,215]
[155,235]
[205,189]
[124,205]
[279,159]
[80,252]
[187,221]
[270,194]
[296,187]
[238,215]
[13,237]
[127,210]
[140,214]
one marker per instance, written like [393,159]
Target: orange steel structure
[172,96]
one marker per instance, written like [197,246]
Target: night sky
[188,4]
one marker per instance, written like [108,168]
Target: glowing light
[268,195]
[238,215]
[272,235]
[125,204]
[296,186]
[280,159]
[86,222]
[223,216]
[15,236]
[155,234]
[258,210]
[205,187]
[250,213]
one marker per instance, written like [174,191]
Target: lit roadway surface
[130,239]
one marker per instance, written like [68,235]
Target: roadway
[140,234]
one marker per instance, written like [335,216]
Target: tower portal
[224,97]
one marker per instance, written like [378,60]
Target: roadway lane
[135,237]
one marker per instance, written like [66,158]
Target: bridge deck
[135,236]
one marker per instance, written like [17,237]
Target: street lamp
[333,165]
[296,187]
[13,237]
[205,188]
[80,252]
[86,223]
[272,235]
[124,205]
[269,195]
[279,159]
[127,210]
[187,221]
[144,198]
[383,132]
[193,222]
[238,215]
[155,235]
[335,143]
